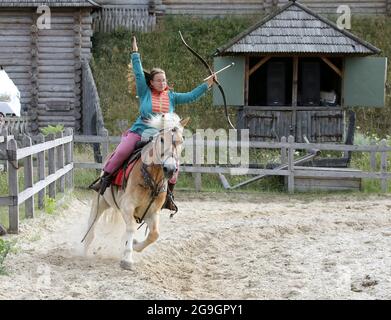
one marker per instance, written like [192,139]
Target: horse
[146,187]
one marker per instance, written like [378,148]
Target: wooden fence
[133,18]
[11,128]
[58,150]
[15,125]
[287,150]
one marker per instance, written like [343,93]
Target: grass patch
[5,247]
[362,161]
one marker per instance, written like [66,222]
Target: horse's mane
[164,121]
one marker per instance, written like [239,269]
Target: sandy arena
[219,246]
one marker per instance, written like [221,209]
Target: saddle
[121,176]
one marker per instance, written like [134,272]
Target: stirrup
[170,205]
[105,182]
[102,183]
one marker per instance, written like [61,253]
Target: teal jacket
[145,96]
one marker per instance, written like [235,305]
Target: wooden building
[46,64]
[243,7]
[142,15]
[296,73]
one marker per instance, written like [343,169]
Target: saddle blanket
[120,175]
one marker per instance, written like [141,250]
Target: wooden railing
[287,149]
[133,18]
[15,125]
[58,150]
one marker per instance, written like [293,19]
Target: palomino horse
[146,188]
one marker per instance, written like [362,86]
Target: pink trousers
[124,150]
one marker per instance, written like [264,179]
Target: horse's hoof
[126,265]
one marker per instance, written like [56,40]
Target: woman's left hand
[211,80]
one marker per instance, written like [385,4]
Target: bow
[210,72]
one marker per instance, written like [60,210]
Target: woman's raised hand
[134,44]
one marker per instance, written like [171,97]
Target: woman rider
[155,97]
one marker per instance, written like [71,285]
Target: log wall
[225,7]
[45,64]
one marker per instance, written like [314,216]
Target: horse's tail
[95,218]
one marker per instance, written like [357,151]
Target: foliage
[376,30]
[5,247]
[362,160]
[3,183]
[49,205]
[52,129]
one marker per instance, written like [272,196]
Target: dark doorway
[271,84]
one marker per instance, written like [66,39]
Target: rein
[156,189]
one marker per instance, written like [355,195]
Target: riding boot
[169,204]
[102,183]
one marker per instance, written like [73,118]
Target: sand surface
[219,246]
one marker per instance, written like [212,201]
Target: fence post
[3,146]
[105,145]
[28,178]
[291,170]
[283,151]
[41,171]
[13,186]
[60,163]
[383,166]
[197,160]
[69,158]
[373,157]
[52,167]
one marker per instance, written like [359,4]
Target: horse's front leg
[127,261]
[153,235]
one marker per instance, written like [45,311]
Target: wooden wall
[357,6]
[15,50]
[45,64]
[223,7]
[326,124]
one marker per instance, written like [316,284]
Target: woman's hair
[148,77]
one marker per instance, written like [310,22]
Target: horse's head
[166,145]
